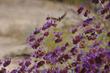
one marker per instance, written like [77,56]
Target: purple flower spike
[86,13]
[57,34]
[36,31]
[77,39]
[84,53]
[40,39]
[105,10]
[77,69]
[106,67]
[14,71]
[64,70]
[31,38]
[2,70]
[74,50]
[108,34]
[89,30]
[67,44]
[108,5]
[6,62]
[80,10]
[46,33]
[107,17]
[38,54]
[0,62]
[25,62]
[58,40]
[103,1]
[41,63]
[109,44]
[46,26]
[73,30]
[88,21]
[49,23]
[83,70]
[51,57]
[58,51]
[35,45]
[95,1]
[63,58]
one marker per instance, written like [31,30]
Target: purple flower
[74,50]
[98,60]
[105,10]
[57,34]
[35,45]
[48,55]
[77,39]
[109,44]
[40,63]
[51,57]
[64,70]
[83,70]
[6,62]
[108,34]
[14,71]
[25,64]
[99,30]
[40,39]
[58,50]
[103,1]
[106,67]
[37,54]
[36,71]
[81,8]
[58,40]
[0,62]
[48,24]
[108,5]
[88,21]
[46,33]
[30,39]
[79,57]
[89,30]
[95,1]
[63,58]
[92,36]
[97,26]
[107,17]
[96,44]
[73,30]
[57,70]
[86,13]
[77,69]
[44,71]
[90,61]
[3,70]
[36,31]
[67,44]
[86,65]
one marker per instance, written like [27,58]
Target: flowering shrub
[86,49]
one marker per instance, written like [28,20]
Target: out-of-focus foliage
[70,1]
